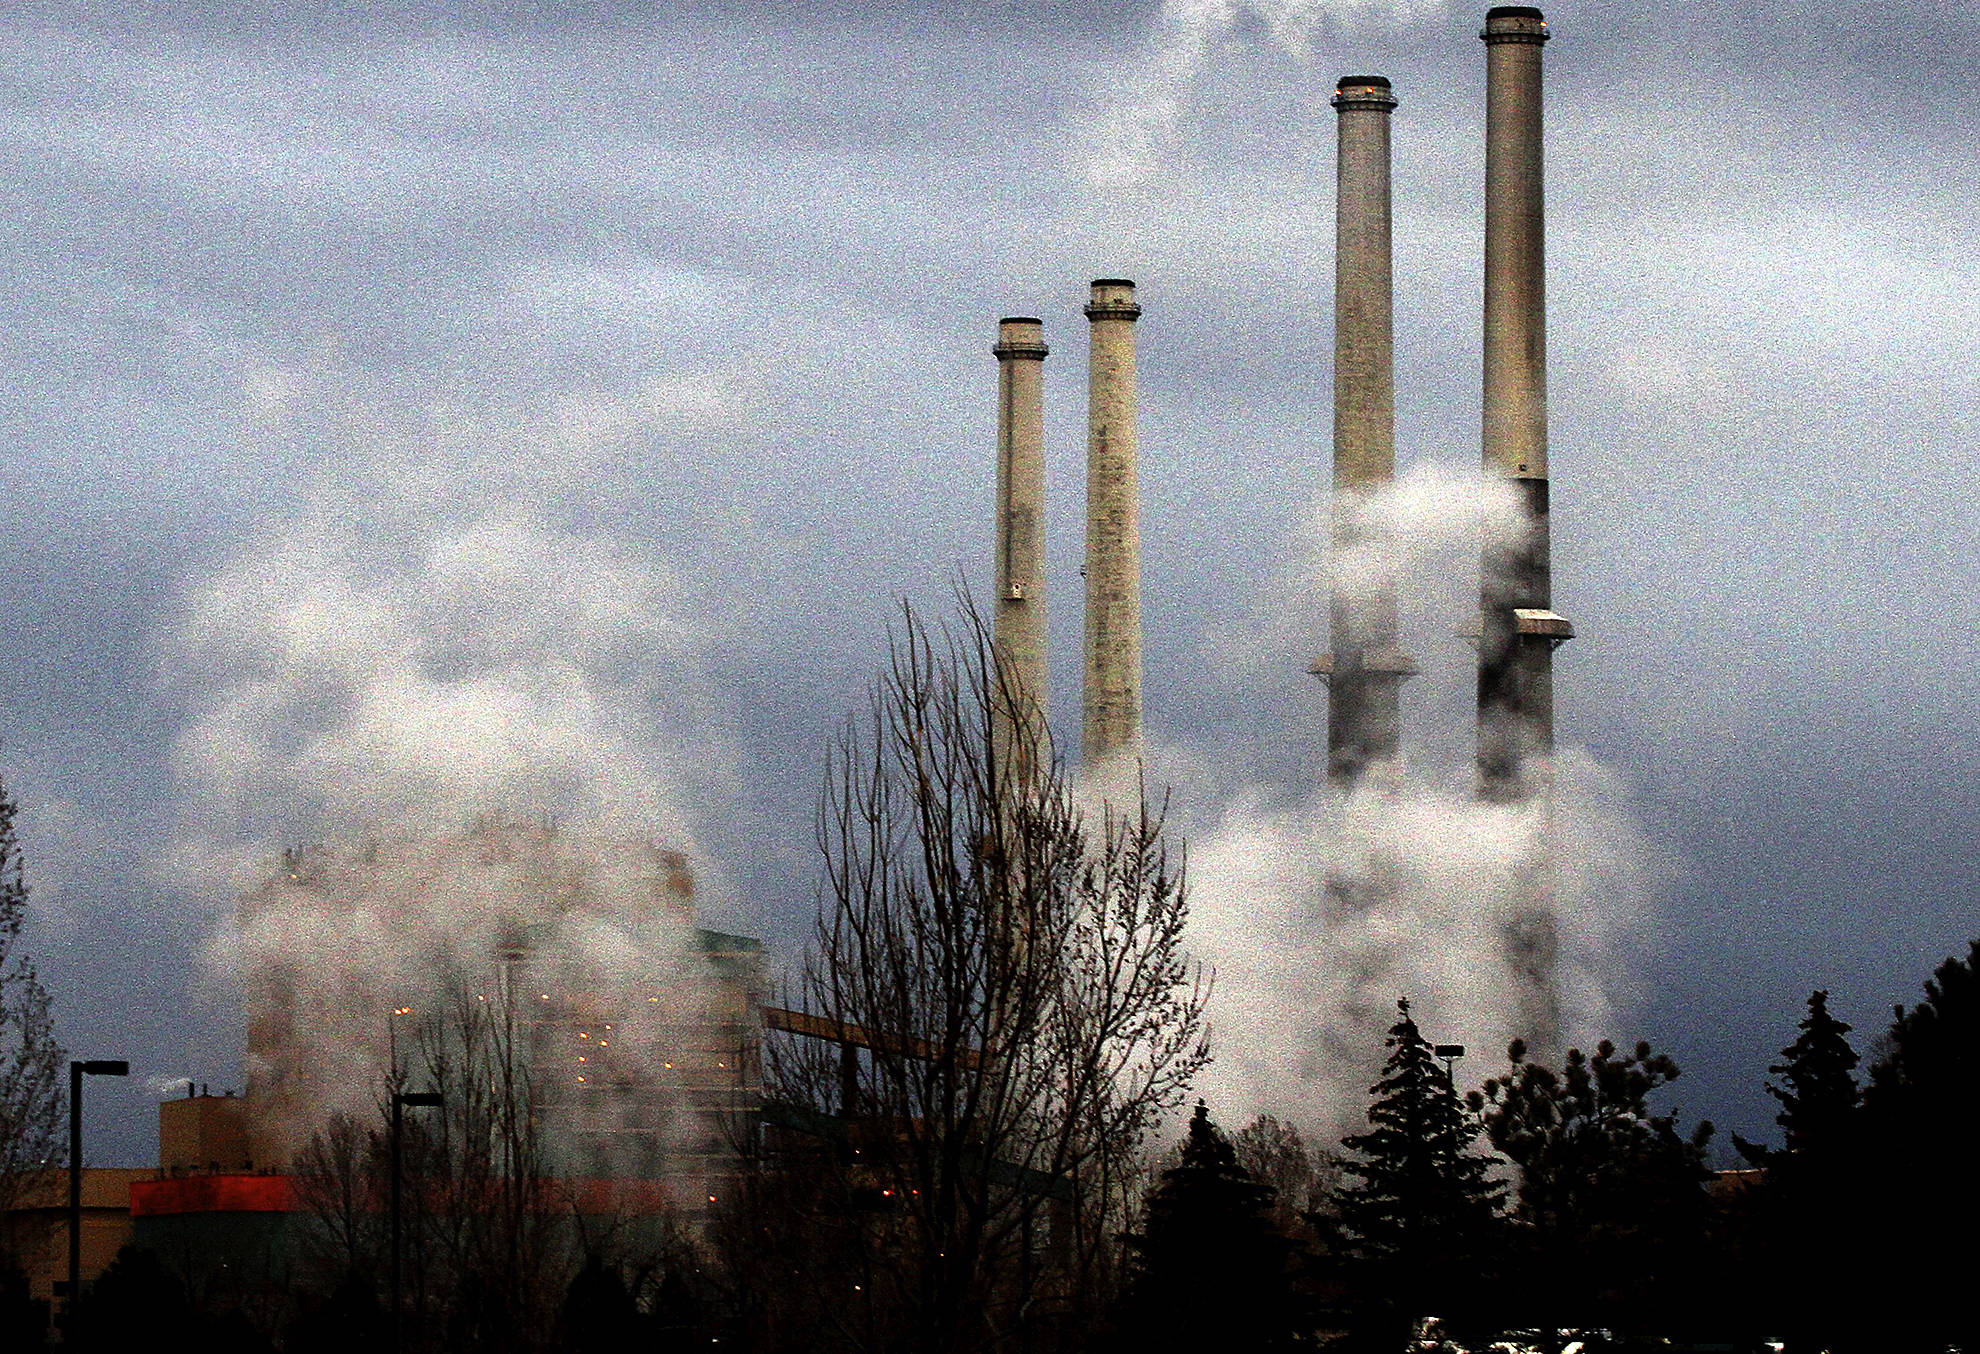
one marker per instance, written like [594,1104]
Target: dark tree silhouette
[138,1297]
[1421,1204]
[1818,1071]
[23,1320]
[1803,1293]
[1209,1268]
[1915,1166]
[1611,1208]
[1818,1092]
[1931,1057]
[599,1315]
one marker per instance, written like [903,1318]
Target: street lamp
[101,1067]
[401,1099]
[1450,1053]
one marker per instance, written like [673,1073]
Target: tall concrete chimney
[1111,727]
[1366,668]
[1518,628]
[1018,626]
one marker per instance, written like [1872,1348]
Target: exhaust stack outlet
[1365,670]
[1519,630]
[1111,723]
[1018,624]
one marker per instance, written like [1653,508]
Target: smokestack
[1112,724]
[1018,627]
[1365,671]
[1518,628]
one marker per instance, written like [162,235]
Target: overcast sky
[715,285]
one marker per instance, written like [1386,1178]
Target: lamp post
[101,1067]
[401,1099]
[1450,1053]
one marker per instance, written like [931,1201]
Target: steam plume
[484,723]
[1136,130]
[1320,910]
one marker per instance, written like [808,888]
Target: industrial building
[640,1057]
[636,1026]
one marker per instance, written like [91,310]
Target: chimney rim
[1514,12]
[1022,319]
[1363,82]
[1113,282]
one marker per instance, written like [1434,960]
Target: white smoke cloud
[431,639]
[1318,912]
[1136,130]
[166,1086]
[1424,532]
[501,664]
[433,716]
[1317,916]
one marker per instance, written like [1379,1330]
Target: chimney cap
[1363,92]
[1020,336]
[1514,23]
[1113,299]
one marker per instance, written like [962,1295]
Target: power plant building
[636,1028]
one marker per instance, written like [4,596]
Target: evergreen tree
[1209,1270]
[1422,1204]
[1818,1094]
[1611,1206]
[1819,1069]
[1801,1293]
[1916,1185]
[1926,1074]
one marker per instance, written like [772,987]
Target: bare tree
[489,1206]
[998,1008]
[339,1177]
[30,1059]
[489,1238]
[1274,1153]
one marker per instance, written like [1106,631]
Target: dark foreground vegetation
[978,1153]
